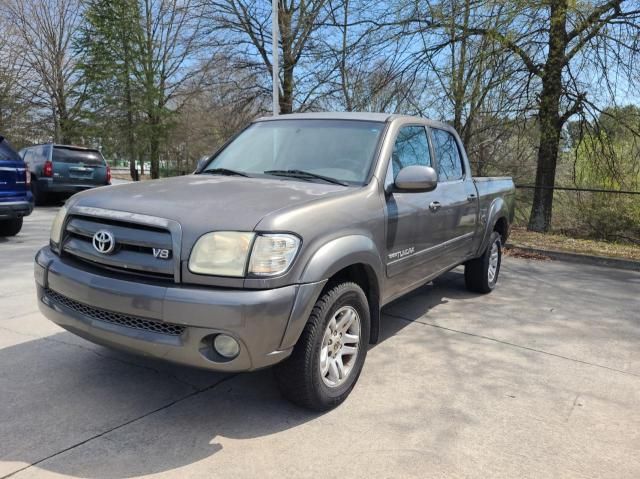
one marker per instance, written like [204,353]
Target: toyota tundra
[281,249]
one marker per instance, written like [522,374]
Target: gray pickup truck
[282,248]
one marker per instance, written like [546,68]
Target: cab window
[411,148]
[448,155]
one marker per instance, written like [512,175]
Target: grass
[559,242]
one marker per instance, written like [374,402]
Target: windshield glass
[339,149]
[77,156]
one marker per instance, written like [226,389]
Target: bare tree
[47,30]
[247,26]
[564,46]
[171,38]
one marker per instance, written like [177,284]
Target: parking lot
[541,378]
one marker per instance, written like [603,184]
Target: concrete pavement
[541,378]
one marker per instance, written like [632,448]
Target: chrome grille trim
[173,229]
[111,317]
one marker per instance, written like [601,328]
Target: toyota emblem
[104,242]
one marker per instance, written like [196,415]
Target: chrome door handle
[471,197]
[434,206]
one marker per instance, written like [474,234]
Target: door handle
[434,206]
[471,197]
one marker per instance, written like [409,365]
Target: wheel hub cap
[339,349]
[494,259]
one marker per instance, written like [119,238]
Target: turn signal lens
[56,226]
[273,254]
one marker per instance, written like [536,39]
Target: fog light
[226,346]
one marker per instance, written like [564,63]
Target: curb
[579,258]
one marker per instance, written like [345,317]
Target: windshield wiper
[305,175]
[224,171]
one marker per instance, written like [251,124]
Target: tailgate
[78,166]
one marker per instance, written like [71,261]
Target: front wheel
[481,274]
[328,358]
[10,227]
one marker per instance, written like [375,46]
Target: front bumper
[258,319]
[15,209]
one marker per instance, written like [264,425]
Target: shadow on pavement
[60,392]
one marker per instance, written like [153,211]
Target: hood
[204,203]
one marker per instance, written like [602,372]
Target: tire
[39,197]
[481,274]
[300,377]
[10,227]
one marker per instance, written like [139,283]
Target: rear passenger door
[457,197]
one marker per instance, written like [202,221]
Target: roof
[352,115]
[58,145]
[362,116]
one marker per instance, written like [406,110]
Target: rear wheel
[481,274]
[328,358]
[10,227]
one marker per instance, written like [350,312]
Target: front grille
[137,249]
[114,318]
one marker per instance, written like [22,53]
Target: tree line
[158,83]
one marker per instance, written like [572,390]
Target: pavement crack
[513,345]
[120,426]
[573,406]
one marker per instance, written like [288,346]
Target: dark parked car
[15,198]
[62,170]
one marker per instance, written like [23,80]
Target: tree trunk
[549,120]
[286,100]
[154,150]
[542,208]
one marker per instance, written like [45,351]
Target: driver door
[412,227]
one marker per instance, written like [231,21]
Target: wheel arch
[350,258]
[497,220]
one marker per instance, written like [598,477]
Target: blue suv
[16,200]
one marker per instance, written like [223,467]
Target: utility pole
[275,62]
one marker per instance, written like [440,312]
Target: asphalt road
[541,378]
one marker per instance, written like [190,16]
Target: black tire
[476,271]
[40,198]
[299,377]
[10,227]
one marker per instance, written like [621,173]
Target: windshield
[77,156]
[339,149]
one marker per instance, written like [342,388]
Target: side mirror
[202,162]
[416,178]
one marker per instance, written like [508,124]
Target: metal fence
[608,214]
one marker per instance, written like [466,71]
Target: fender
[329,259]
[497,210]
[339,253]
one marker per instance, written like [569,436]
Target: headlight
[226,253]
[56,226]
[273,254]
[223,253]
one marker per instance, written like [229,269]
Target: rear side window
[7,153]
[448,155]
[77,156]
[411,148]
